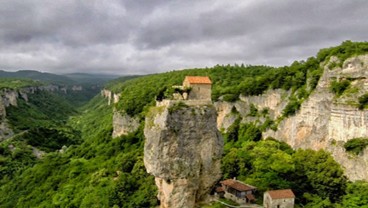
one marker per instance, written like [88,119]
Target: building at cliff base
[238,191]
[279,199]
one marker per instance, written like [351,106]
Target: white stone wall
[268,202]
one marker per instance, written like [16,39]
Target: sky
[150,36]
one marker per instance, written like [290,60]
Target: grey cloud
[138,36]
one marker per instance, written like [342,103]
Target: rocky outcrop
[327,122]
[5,130]
[123,124]
[77,88]
[272,100]
[183,150]
[117,97]
[7,98]
[111,97]
[10,97]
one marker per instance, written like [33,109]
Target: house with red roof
[279,199]
[238,191]
[200,87]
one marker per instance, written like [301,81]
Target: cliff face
[324,121]
[123,124]
[327,122]
[183,150]
[272,100]
[7,98]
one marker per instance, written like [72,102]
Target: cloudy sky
[148,36]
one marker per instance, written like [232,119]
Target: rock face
[324,121]
[111,97]
[272,100]
[327,122]
[7,98]
[123,124]
[107,94]
[183,151]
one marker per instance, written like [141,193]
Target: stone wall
[200,92]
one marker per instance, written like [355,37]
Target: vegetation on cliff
[344,51]
[356,145]
[229,82]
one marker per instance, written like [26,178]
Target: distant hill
[65,79]
[84,78]
[40,76]
[80,87]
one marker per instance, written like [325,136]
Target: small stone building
[279,199]
[200,87]
[238,191]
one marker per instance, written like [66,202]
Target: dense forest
[82,166]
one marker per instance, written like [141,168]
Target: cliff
[123,124]
[9,97]
[272,100]
[183,149]
[326,121]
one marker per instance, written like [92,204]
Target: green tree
[356,195]
[318,173]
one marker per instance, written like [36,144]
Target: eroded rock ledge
[183,151]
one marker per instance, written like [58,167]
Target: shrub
[253,111]
[249,132]
[291,107]
[363,101]
[230,97]
[314,78]
[177,106]
[333,65]
[356,145]
[339,87]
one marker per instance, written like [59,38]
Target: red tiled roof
[220,189]
[281,194]
[198,80]
[250,197]
[235,184]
